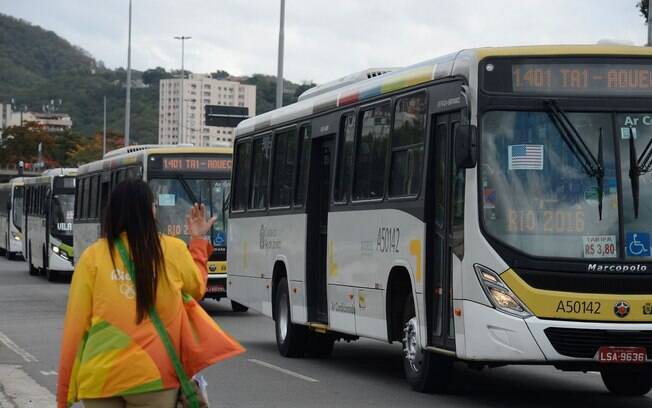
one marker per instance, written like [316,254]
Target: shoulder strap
[186,387]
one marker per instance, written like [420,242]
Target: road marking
[17,389]
[48,372]
[16,349]
[283,370]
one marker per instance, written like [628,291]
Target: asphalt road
[359,374]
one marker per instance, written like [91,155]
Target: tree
[90,149]
[154,76]
[643,6]
[220,74]
[22,143]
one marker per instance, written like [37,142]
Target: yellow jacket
[104,351]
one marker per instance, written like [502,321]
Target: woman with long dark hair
[111,354]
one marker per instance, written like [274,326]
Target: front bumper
[216,286]
[493,336]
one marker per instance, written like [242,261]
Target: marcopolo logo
[621,309]
[616,268]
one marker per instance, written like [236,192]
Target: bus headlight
[15,236]
[58,251]
[499,294]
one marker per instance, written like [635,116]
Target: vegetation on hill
[40,69]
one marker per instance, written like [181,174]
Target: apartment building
[199,90]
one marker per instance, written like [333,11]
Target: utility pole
[128,103]
[279,73]
[182,122]
[104,130]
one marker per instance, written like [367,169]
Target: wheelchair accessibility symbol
[638,244]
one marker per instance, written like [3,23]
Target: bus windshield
[173,202]
[61,217]
[536,196]
[17,207]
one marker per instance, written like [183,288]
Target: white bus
[11,214]
[48,207]
[492,206]
[178,176]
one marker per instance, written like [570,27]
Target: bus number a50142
[579,307]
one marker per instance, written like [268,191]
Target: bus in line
[491,206]
[47,222]
[11,214]
[178,176]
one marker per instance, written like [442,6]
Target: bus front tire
[238,308]
[51,275]
[320,345]
[290,338]
[628,381]
[424,370]
[32,270]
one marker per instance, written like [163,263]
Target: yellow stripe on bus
[580,306]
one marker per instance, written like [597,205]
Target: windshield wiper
[638,166]
[592,166]
[187,189]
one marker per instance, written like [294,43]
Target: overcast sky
[324,39]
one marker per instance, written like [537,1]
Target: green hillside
[37,67]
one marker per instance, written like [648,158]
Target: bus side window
[285,146]
[77,197]
[260,174]
[371,152]
[408,135]
[303,162]
[85,198]
[241,176]
[457,197]
[344,169]
[104,193]
[92,210]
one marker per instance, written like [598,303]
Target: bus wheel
[425,371]
[32,270]
[320,345]
[52,276]
[237,307]
[628,381]
[290,338]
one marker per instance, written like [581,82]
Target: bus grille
[584,343]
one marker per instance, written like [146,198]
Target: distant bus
[11,217]
[492,206]
[178,176]
[47,226]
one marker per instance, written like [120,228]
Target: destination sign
[190,164]
[595,77]
[599,79]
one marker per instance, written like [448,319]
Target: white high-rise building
[199,91]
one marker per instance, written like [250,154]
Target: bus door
[321,164]
[441,231]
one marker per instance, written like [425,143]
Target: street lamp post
[128,103]
[183,39]
[279,74]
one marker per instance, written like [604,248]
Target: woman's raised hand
[196,222]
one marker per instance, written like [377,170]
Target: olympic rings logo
[127,290]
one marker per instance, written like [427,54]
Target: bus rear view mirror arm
[466,145]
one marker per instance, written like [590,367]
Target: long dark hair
[130,210]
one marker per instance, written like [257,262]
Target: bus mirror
[465,141]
